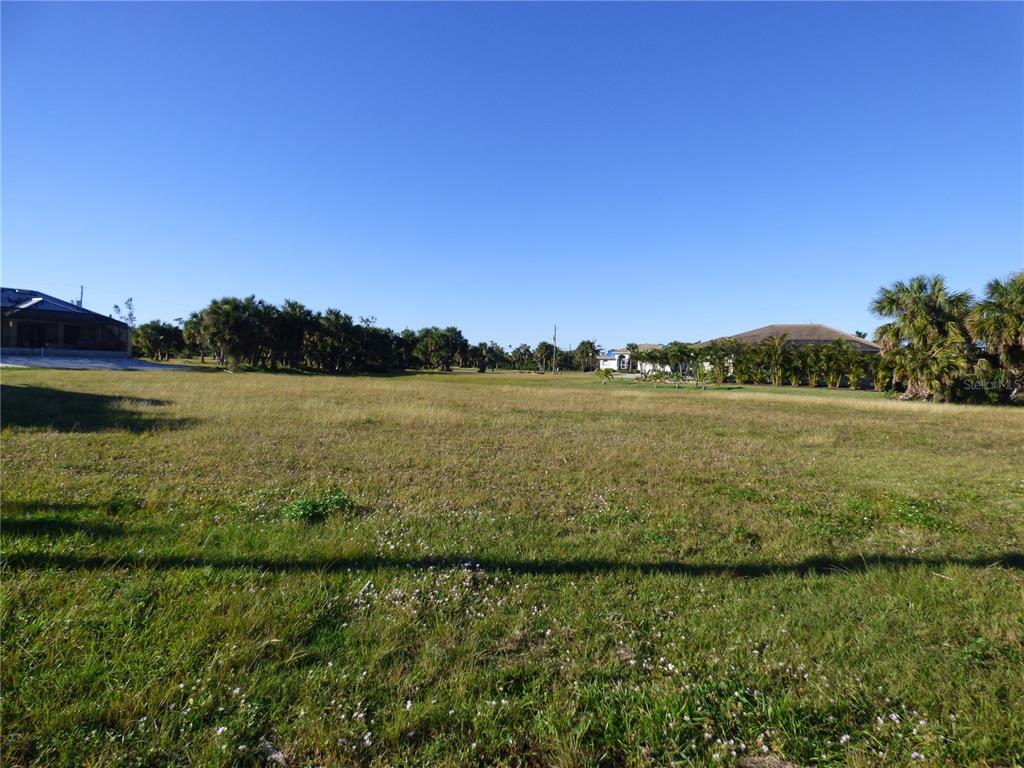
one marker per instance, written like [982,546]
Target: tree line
[250,332]
[936,343]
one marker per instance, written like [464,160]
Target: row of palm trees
[775,361]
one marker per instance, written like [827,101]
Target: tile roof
[802,334]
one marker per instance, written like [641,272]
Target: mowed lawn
[538,570]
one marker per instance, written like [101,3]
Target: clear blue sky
[631,172]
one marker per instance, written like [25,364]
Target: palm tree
[544,352]
[195,335]
[835,361]
[586,354]
[998,322]
[927,334]
[778,352]
[521,356]
[679,356]
[857,369]
[718,356]
[743,363]
[634,352]
[807,364]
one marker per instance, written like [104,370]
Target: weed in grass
[316,508]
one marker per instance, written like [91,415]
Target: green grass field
[535,570]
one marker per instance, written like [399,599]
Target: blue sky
[631,172]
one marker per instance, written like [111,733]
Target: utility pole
[81,294]
[554,351]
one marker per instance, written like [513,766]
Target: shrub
[313,509]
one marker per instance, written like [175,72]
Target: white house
[614,360]
[620,360]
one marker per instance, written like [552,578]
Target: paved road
[88,363]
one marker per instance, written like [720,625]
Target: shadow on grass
[58,526]
[26,407]
[812,566]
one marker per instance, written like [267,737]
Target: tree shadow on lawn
[812,566]
[47,519]
[27,407]
[58,526]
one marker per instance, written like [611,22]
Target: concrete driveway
[87,363]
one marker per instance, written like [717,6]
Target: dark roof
[36,305]
[802,334]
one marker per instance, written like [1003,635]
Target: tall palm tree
[777,354]
[927,333]
[807,362]
[835,359]
[543,353]
[998,322]
[922,310]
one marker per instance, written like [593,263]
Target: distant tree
[717,356]
[496,356]
[291,325]
[442,347]
[778,357]
[835,359]
[126,314]
[478,356]
[194,334]
[658,357]
[857,368]
[329,341]
[237,330]
[407,345]
[679,356]
[743,362]
[634,351]
[805,364]
[543,355]
[158,340]
[522,356]
[586,355]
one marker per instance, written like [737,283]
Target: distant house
[38,324]
[802,335]
[622,360]
[614,360]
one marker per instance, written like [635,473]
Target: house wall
[32,336]
[620,363]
